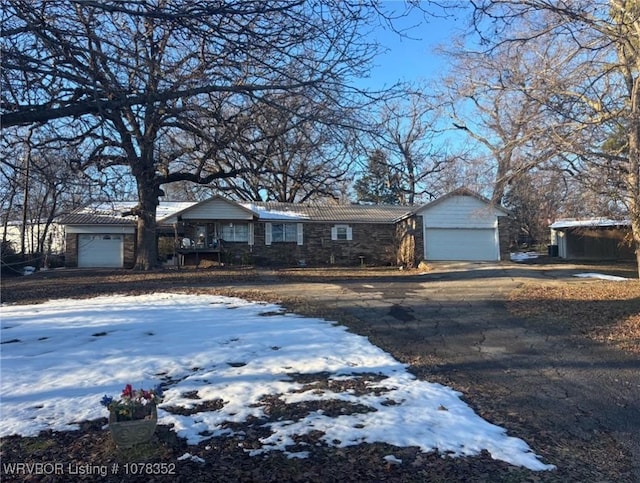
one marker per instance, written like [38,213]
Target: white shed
[461,225]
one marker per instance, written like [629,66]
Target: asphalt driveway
[576,402]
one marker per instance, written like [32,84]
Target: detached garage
[462,226]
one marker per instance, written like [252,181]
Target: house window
[235,232]
[283,232]
[341,232]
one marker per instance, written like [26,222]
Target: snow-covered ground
[601,276]
[523,256]
[61,357]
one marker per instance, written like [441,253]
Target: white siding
[32,233]
[461,228]
[460,212]
[560,239]
[215,209]
[99,229]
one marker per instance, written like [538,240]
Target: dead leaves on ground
[607,312]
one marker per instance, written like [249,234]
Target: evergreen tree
[379,184]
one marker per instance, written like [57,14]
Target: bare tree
[593,87]
[408,132]
[489,100]
[536,198]
[303,153]
[161,88]
[10,190]
[38,184]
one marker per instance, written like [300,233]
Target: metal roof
[587,223]
[112,214]
[96,217]
[329,213]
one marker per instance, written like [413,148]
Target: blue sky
[411,58]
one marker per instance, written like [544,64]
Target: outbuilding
[592,239]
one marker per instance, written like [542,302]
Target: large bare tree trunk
[148,200]
[146,242]
[633,176]
[628,50]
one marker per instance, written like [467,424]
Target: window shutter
[349,233]
[251,234]
[334,232]
[300,234]
[267,233]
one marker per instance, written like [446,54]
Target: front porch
[205,243]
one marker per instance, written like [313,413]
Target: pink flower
[128,391]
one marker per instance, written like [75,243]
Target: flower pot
[131,432]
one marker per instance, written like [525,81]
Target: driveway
[576,402]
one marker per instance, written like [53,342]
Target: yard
[344,379]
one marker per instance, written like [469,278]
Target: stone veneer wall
[129,250]
[507,235]
[410,242]
[71,249]
[376,243]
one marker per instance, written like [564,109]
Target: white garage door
[461,244]
[100,250]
